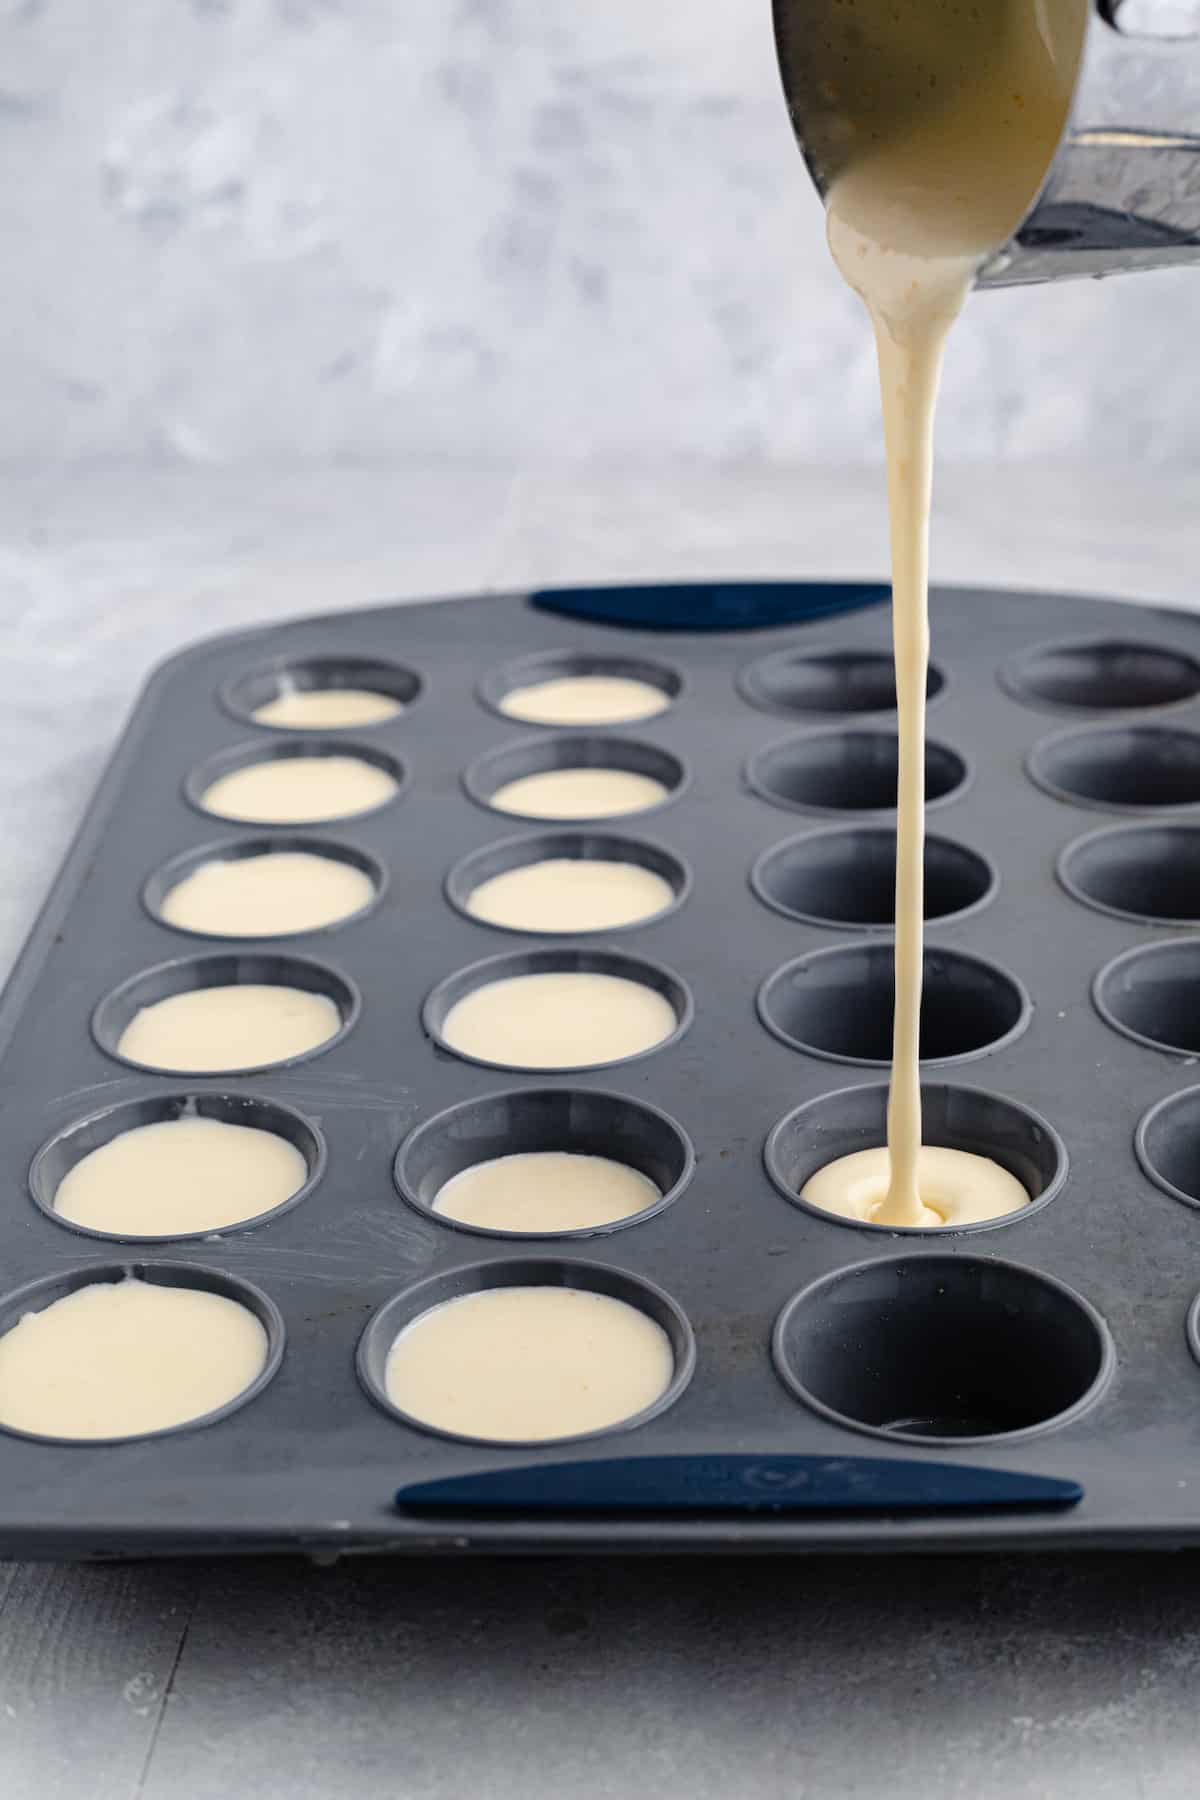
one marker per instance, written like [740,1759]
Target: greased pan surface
[1063,991]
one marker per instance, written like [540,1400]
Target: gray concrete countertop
[1028,1679]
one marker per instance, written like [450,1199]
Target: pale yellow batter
[957,112]
[545,1191]
[523,1363]
[586,700]
[559,1021]
[570,894]
[267,896]
[118,1359]
[578,794]
[317,709]
[245,1026]
[956,1188]
[299,790]
[180,1176]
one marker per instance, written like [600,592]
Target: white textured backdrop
[515,229]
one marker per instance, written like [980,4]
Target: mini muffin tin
[1029,1381]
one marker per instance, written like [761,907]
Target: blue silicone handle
[711,605]
[738,1483]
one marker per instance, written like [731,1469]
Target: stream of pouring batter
[957,109]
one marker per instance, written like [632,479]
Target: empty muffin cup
[568,881]
[225,1014]
[827,681]
[939,1348]
[847,877]
[325,693]
[1100,675]
[852,771]
[558,1008]
[1152,995]
[239,1161]
[299,781]
[1147,873]
[575,776]
[813,1135]
[575,1369]
[1120,768]
[1167,1142]
[596,1127]
[265,887]
[89,1377]
[577,687]
[838,1004]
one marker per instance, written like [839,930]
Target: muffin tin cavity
[848,878]
[1147,873]
[496,770]
[847,772]
[952,1118]
[117,1011]
[294,753]
[1168,1145]
[1100,675]
[931,1349]
[406,1308]
[564,961]
[1152,995]
[245,695]
[36,1296]
[266,906]
[1120,768]
[808,683]
[581,847]
[499,685]
[838,1004]
[68,1148]
[577,1123]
